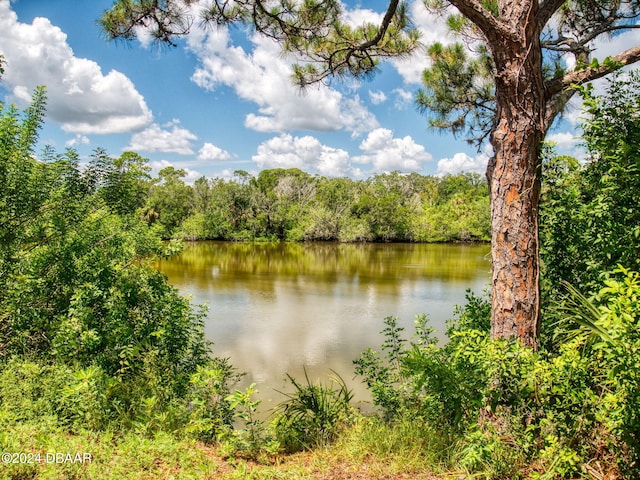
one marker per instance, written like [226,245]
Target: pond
[274,308]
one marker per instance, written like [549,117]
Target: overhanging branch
[386,21]
[579,77]
[483,18]
[546,11]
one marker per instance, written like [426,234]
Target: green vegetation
[519,79]
[590,221]
[291,205]
[100,355]
[313,414]
[509,412]
[288,204]
[570,409]
[91,336]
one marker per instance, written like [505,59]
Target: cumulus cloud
[210,152]
[263,76]
[377,97]
[605,46]
[362,16]
[80,97]
[563,140]
[461,162]
[306,153]
[567,143]
[385,153]
[77,140]
[168,138]
[404,98]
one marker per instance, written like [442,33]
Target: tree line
[291,205]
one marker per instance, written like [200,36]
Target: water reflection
[274,307]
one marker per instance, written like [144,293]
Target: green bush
[91,336]
[313,414]
[515,412]
[590,212]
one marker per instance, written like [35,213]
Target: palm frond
[578,318]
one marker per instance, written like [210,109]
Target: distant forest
[291,205]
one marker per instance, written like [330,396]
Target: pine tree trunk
[514,239]
[515,188]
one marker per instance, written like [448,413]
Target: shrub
[516,412]
[313,414]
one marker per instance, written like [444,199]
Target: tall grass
[313,414]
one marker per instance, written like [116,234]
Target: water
[275,308]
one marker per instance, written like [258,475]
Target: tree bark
[515,187]
[514,182]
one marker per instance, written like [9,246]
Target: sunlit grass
[367,450]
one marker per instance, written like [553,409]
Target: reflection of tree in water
[275,307]
[225,264]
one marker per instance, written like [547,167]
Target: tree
[522,101]
[171,201]
[123,183]
[590,215]
[23,187]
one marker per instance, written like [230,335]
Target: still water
[275,308]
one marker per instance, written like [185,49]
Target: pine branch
[594,72]
[384,26]
[483,18]
[546,11]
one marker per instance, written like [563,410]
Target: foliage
[418,378]
[170,201]
[313,414]
[80,399]
[590,215]
[90,333]
[252,439]
[614,322]
[313,28]
[122,183]
[513,411]
[292,205]
[459,92]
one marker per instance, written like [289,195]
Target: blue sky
[222,100]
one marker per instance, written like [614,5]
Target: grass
[132,456]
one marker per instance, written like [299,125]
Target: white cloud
[386,153]
[158,165]
[306,153]
[461,162]
[563,140]
[608,46]
[210,152]
[567,143]
[377,97]
[80,97]
[77,140]
[168,138]
[404,98]
[263,77]
[361,16]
